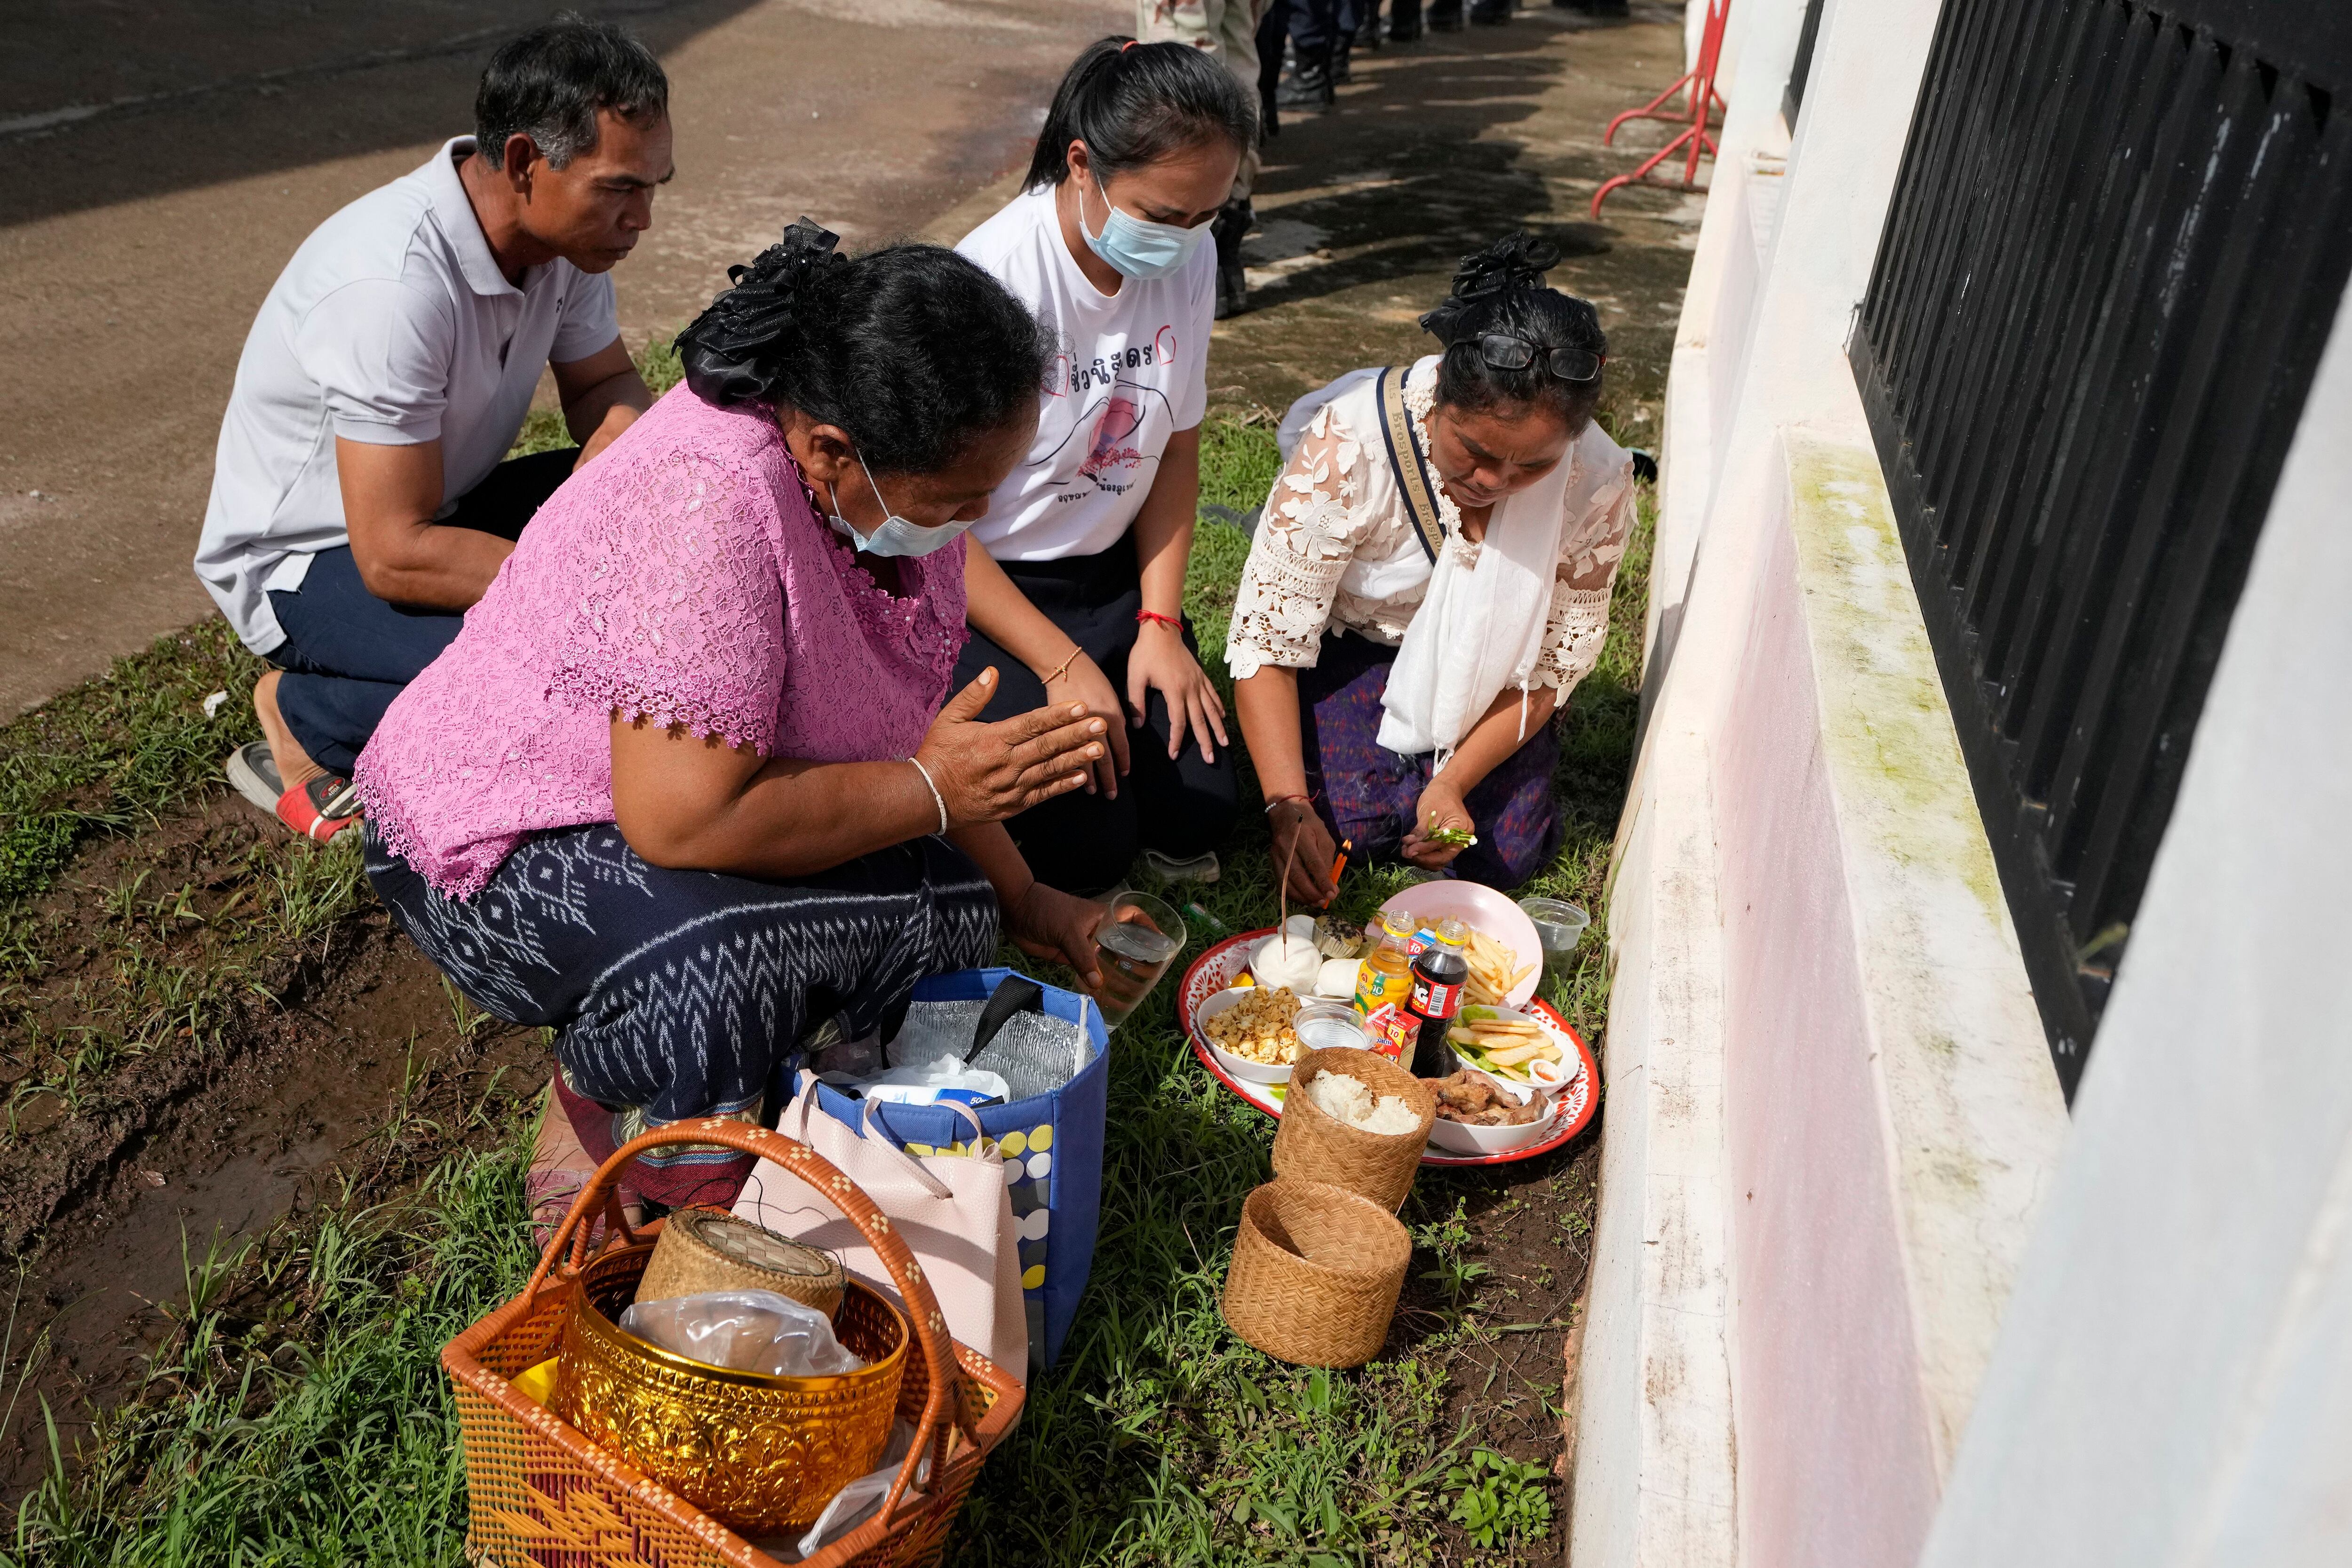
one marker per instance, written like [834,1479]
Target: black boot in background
[1445,15]
[1368,26]
[1404,21]
[1308,90]
[1341,48]
[1232,223]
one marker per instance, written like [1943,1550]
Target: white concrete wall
[1820,1014]
[2173,1388]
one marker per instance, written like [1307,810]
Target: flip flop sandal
[550,1195]
[253,773]
[320,808]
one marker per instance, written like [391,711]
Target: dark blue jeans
[347,654]
[1316,26]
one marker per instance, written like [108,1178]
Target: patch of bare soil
[1520,1248]
[199,1145]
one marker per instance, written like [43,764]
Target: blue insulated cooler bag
[1053,1048]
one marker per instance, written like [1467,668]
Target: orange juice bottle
[1387,974]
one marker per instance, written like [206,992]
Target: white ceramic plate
[1550,1076]
[1481,909]
[1239,1067]
[1458,1138]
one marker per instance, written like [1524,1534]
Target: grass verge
[301,1415]
[115,753]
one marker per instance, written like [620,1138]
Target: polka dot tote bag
[1045,1142]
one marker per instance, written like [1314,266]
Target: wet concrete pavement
[160,159]
[1434,150]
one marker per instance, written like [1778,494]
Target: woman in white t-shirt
[1076,578]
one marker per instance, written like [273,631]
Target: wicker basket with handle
[1316,1146]
[543,1496]
[1315,1273]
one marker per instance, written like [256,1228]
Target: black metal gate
[2118,238]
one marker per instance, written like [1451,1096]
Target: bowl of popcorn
[1252,1031]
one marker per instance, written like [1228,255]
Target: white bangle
[936,798]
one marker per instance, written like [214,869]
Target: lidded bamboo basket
[1315,1273]
[1315,1146]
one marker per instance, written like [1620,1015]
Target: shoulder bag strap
[1409,463]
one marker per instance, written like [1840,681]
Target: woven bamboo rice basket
[544,1495]
[709,1249]
[1315,1273]
[1315,1146]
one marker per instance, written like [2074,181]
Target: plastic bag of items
[744,1331]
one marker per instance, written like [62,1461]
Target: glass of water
[1138,937]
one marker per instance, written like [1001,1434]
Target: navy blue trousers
[1084,842]
[1316,26]
[347,654]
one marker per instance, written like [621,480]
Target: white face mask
[896,536]
[1136,246]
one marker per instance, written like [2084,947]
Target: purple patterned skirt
[1373,796]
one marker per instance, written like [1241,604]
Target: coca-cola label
[1435,999]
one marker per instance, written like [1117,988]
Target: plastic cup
[1560,927]
[1139,937]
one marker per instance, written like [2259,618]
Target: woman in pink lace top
[683,788]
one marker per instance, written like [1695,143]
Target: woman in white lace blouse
[1429,580]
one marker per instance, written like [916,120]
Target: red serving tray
[1220,965]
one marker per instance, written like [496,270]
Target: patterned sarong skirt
[687,994]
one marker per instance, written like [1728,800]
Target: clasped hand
[986,772]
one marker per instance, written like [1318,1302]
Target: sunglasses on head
[1504,352]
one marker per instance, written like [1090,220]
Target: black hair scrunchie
[729,352]
[1512,263]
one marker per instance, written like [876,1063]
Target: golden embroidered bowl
[761,1455]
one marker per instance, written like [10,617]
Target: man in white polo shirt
[359,501]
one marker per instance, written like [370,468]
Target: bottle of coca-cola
[1438,976]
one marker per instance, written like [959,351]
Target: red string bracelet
[1169,621]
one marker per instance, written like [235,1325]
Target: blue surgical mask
[896,536]
[1138,248]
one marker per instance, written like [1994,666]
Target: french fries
[1492,972]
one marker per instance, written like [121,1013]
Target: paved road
[160,160]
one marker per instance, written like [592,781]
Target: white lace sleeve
[1309,530]
[1579,622]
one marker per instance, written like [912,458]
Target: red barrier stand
[1702,109]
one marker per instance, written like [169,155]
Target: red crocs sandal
[320,808]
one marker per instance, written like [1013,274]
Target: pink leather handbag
[954,1211]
